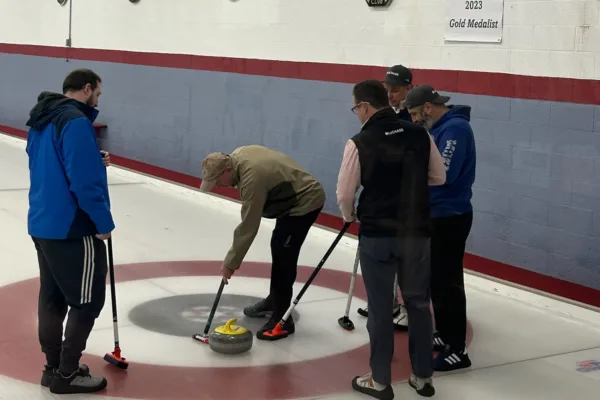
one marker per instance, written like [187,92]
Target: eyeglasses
[353,109]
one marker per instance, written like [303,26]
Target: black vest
[394,168]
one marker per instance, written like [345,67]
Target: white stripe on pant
[70,270]
[88,270]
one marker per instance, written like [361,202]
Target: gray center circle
[185,315]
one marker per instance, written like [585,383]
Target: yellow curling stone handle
[229,329]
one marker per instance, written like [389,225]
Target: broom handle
[352,282]
[111,268]
[315,272]
[214,307]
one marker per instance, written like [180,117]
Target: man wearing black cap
[452,216]
[398,82]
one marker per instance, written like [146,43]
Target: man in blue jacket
[452,216]
[69,218]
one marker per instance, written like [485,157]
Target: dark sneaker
[79,381]
[449,360]
[365,311]
[438,343]
[289,326]
[47,375]
[423,386]
[365,384]
[50,372]
[261,309]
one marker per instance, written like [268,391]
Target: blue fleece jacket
[68,196]
[454,138]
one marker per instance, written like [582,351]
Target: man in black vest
[398,81]
[390,158]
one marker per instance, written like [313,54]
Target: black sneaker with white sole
[79,381]
[423,386]
[262,309]
[450,360]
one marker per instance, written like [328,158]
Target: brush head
[346,323]
[276,333]
[200,337]
[118,362]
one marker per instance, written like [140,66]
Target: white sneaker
[423,386]
[401,320]
[365,384]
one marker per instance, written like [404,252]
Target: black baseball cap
[422,94]
[398,75]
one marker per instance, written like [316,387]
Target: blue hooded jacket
[68,195]
[454,138]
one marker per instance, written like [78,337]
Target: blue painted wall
[537,193]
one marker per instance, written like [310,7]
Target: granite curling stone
[230,339]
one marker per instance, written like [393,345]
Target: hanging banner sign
[474,20]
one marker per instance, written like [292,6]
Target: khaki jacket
[271,185]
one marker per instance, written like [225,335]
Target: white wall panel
[540,37]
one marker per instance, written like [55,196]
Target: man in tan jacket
[271,185]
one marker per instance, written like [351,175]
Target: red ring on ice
[21,358]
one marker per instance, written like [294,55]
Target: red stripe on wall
[472,262]
[582,91]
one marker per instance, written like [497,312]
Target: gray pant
[380,259]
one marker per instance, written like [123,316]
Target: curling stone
[230,339]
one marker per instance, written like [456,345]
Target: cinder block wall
[537,193]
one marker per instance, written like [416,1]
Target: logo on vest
[388,133]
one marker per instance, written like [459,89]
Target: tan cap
[212,167]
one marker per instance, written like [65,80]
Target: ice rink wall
[183,78]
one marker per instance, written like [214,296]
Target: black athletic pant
[286,241]
[72,274]
[448,243]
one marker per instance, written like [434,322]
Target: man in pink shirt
[398,81]
[394,161]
